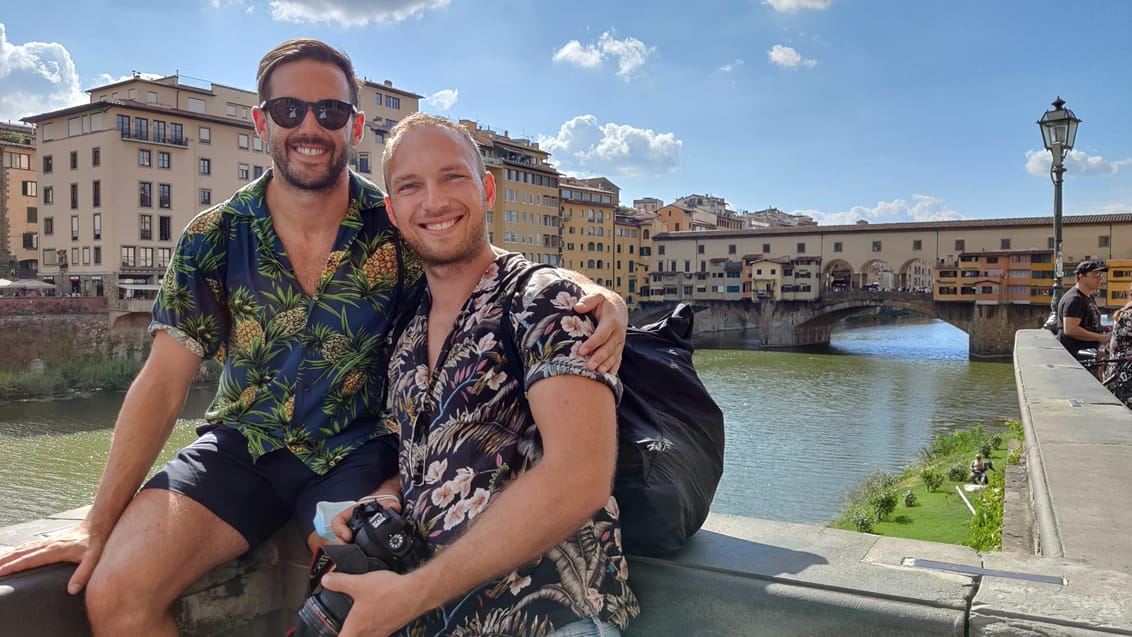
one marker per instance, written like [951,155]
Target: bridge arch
[916,275]
[879,272]
[837,275]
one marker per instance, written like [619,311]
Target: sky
[882,110]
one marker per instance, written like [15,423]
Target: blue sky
[885,110]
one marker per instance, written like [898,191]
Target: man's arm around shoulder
[149,411]
[576,419]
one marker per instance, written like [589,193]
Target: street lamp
[1059,130]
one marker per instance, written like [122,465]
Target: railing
[153,137]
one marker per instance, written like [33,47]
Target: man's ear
[260,120]
[389,211]
[358,130]
[488,189]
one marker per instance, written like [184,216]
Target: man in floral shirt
[508,479]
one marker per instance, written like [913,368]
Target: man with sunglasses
[293,284]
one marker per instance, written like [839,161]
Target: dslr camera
[383,541]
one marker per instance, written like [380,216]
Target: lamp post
[1059,130]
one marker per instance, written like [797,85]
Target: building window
[363,162]
[145,158]
[74,160]
[145,227]
[49,225]
[29,188]
[145,194]
[960,245]
[32,214]
[123,126]
[257,172]
[242,172]
[74,227]
[97,226]
[700,249]
[801,248]
[165,228]
[876,246]
[128,256]
[204,135]
[243,141]
[917,245]
[660,249]
[48,195]
[730,248]
[74,196]
[837,246]
[96,194]
[205,196]
[141,128]
[96,156]
[48,164]
[164,196]
[176,134]
[766,248]
[197,105]
[98,255]
[164,255]
[205,166]
[1004,244]
[151,97]
[1102,241]
[163,160]
[257,144]
[230,109]
[86,255]
[159,131]
[379,99]
[393,102]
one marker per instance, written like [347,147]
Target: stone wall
[58,330]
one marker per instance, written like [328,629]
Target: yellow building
[19,203]
[525,217]
[589,211]
[633,232]
[122,175]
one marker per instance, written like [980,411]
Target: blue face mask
[324,513]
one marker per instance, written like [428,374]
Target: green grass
[939,515]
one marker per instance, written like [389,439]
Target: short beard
[469,249]
[314,183]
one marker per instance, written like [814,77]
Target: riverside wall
[56,330]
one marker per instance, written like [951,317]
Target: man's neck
[307,211]
[451,285]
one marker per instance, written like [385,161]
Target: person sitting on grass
[979,468]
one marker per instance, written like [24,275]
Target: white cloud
[631,53]
[787,57]
[790,6]
[1077,162]
[585,147]
[921,208]
[247,6]
[35,78]
[443,99]
[106,78]
[727,68]
[350,13]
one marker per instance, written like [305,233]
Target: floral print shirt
[300,372]
[467,432]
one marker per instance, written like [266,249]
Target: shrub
[957,473]
[996,442]
[862,520]
[883,504]
[985,532]
[1015,454]
[909,498]
[932,478]
[986,449]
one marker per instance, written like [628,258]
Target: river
[802,426]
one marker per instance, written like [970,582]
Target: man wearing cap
[1078,319]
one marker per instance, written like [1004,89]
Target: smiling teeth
[440,226]
[309,151]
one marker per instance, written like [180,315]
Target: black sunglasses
[289,112]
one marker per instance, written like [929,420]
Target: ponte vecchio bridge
[987,277]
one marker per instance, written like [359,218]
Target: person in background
[1078,319]
[1118,376]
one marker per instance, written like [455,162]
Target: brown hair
[304,49]
[423,120]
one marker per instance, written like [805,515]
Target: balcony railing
[146,136]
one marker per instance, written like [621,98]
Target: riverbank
[80,377]
[933,498]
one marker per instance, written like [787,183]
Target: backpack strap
[518,284]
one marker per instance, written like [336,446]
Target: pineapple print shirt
[466,433]
[302,373]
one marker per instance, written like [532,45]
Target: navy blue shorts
[257,498]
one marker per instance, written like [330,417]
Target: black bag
[669,432]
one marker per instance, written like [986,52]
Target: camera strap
[341,558]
